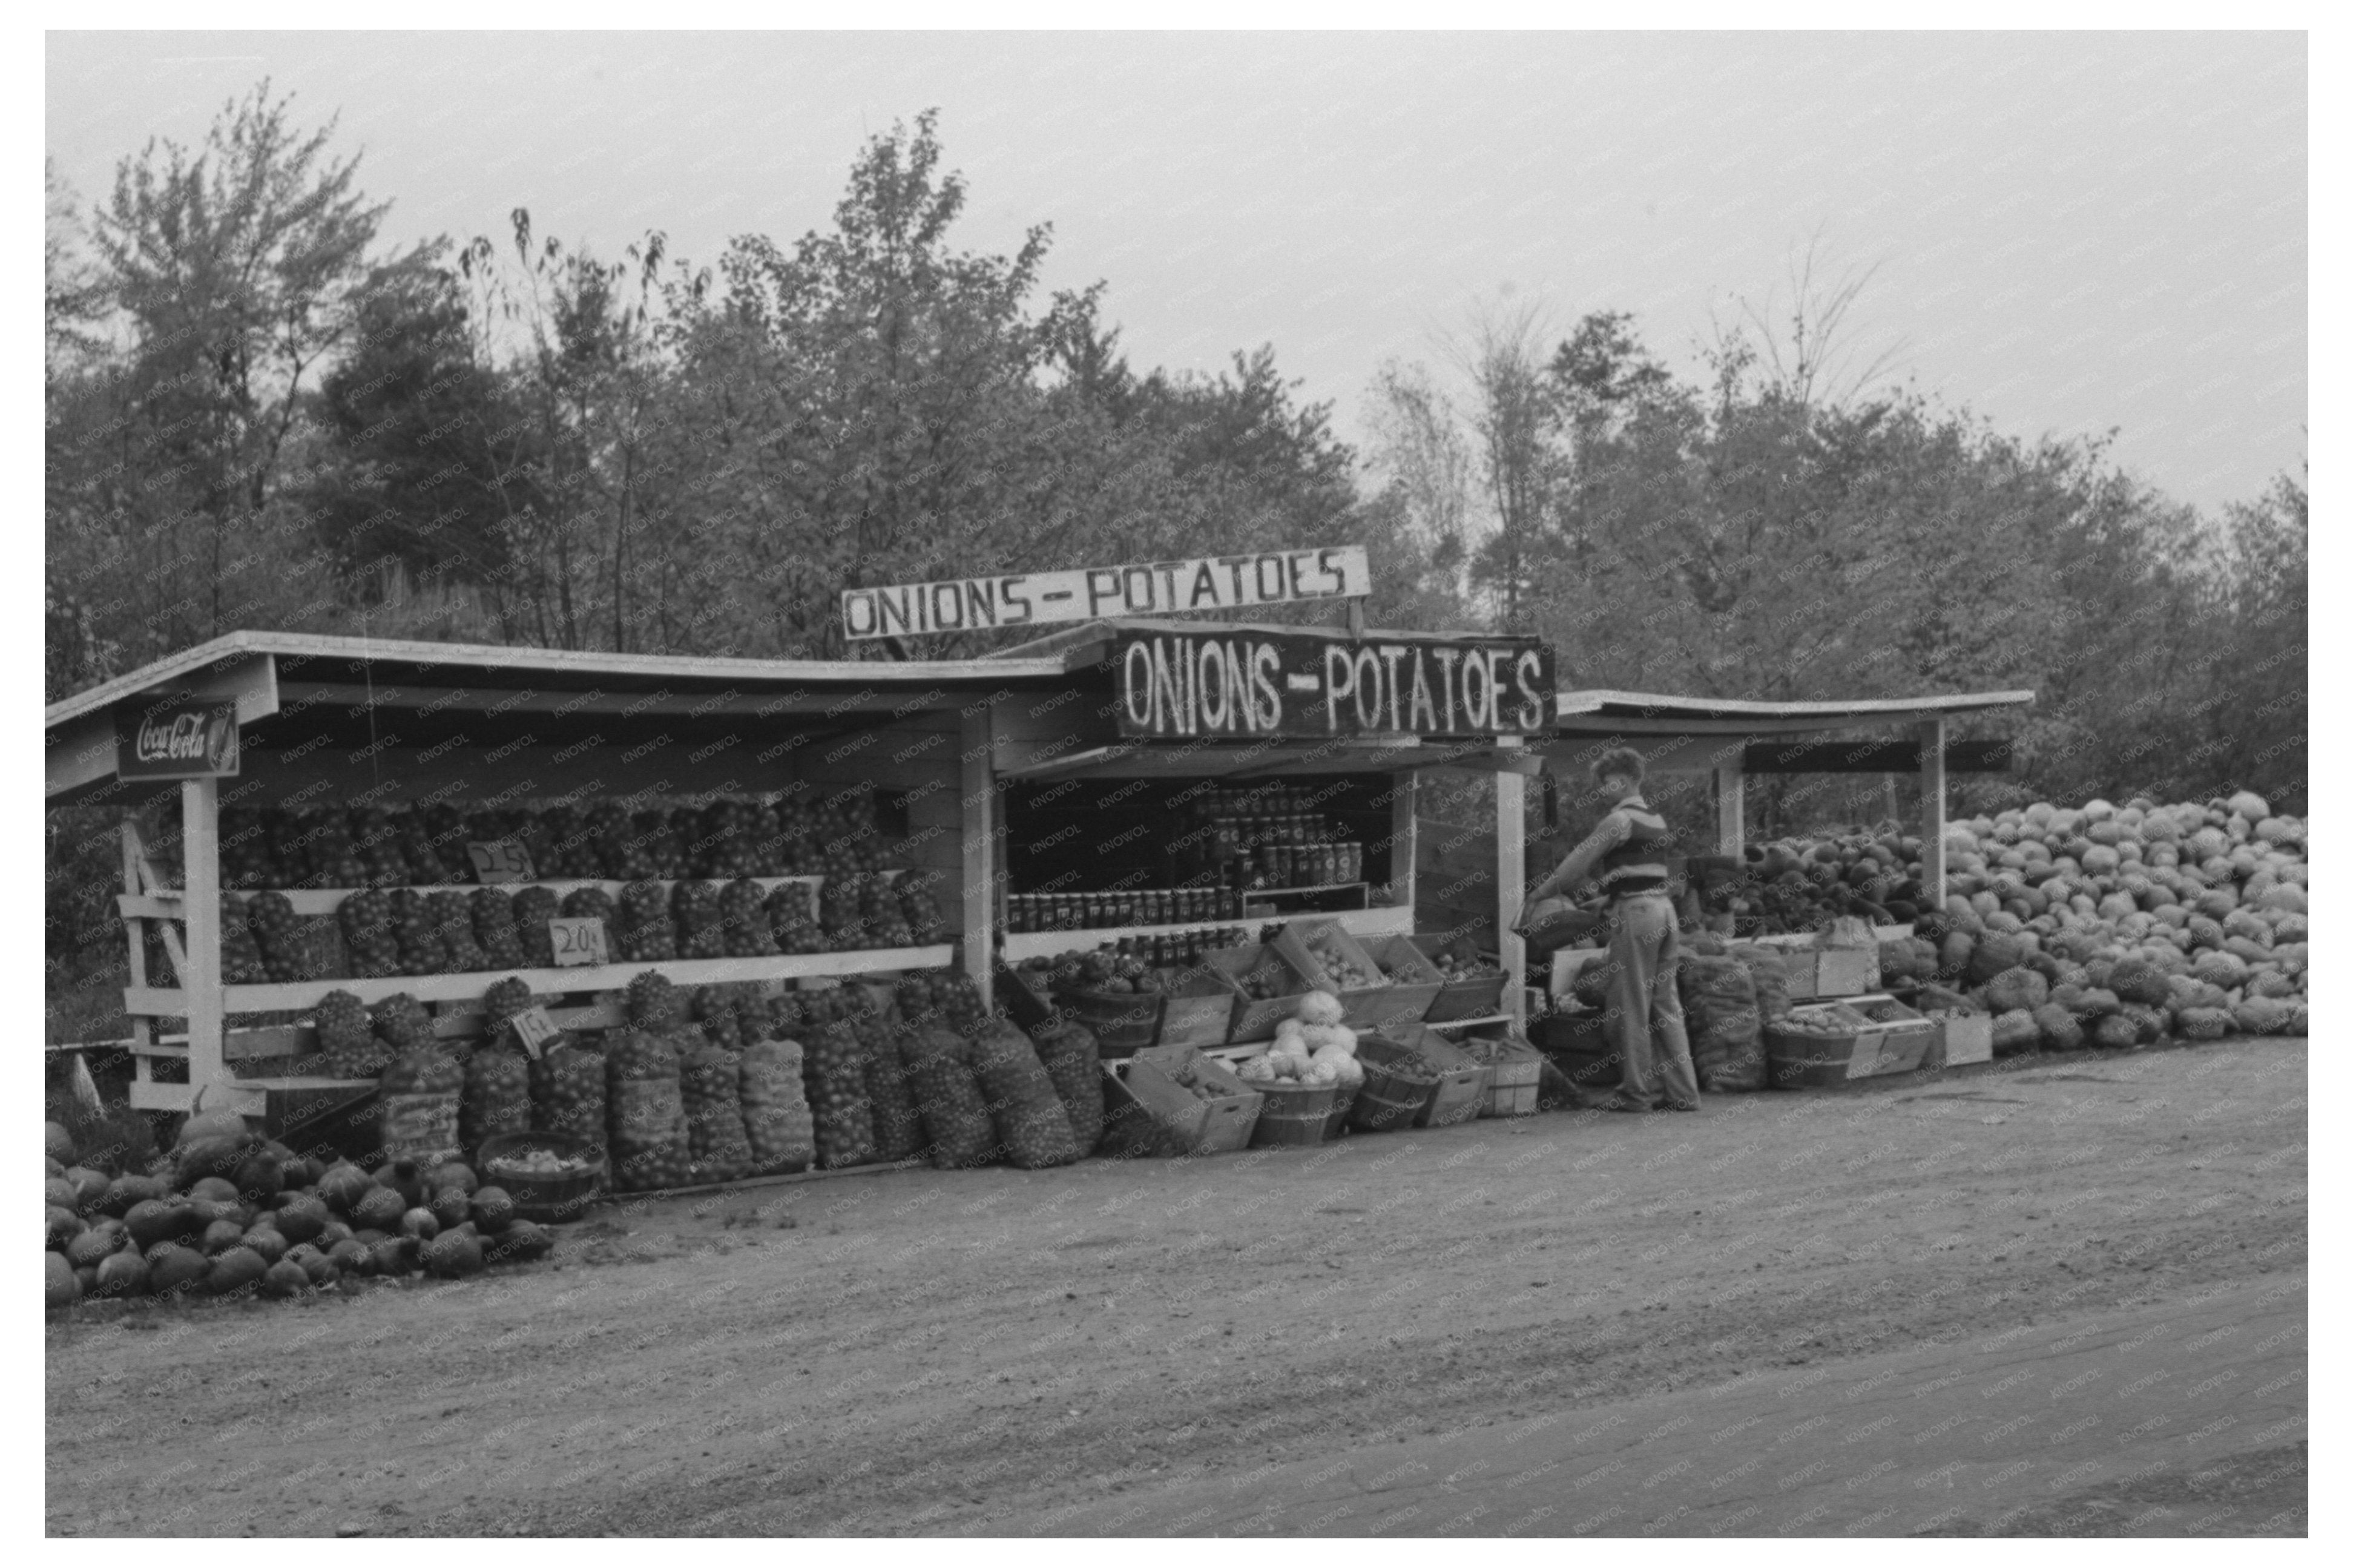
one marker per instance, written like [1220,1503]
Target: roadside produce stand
[316,775]
[1841,1027]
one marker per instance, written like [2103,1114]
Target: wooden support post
[1731,809]
[1512,883]
[142,1031]
[1932,812]
[201,975]
[1404,844]
[980,848]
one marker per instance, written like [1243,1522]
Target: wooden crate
[1514,1070]
[1192,1125]
[1461,1085]
[1123,1023]
[1361,1009]
[1414,981]
[1815,973]
[1860,1046]
[1200,1009]
[1480,998]
[1255,1017]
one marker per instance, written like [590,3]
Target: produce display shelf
[1386,921]
[169,1002]
[164,903]
[1469,1022]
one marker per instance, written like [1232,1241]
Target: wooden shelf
[298,996]
[1467,1023]
[1381,921]
[166,903]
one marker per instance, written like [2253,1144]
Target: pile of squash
[230,1213]
[2115,926]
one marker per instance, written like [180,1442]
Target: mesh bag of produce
[834,1070]
[654,1003]
[743,921]
[645,1116]
[497,1096]
[567,1090]
[1022,1100]
[1769,979]
[534,908]
[455,922]
[955,1112]
[279,934]
[419,937]
[645,934]
[715,1139]
[420,1094]
[492,912]
[1727,1041]
[402,1023]
[1075,1063]
[700,934]
[715,1009]
[365,920]
[898,1121]
[240,954]
[777,1121]
[349,1046]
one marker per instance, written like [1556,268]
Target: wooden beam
[1511,883]
[1404,841]
[300,996]
[1930,762]
[981,857]
[1731,810]
[1874,756]
[200,970]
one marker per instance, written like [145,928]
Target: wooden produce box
[1480,998]
[1462,1081]
[1414,981]
[1964,1030]
[1255,1017]
[1199,1010]
[1362,1008]
[1856,1044]
[1192,1125]
[1567,962]
[1820,972]
[1514,1069]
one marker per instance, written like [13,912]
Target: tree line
[262,413]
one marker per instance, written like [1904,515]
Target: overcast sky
[2072,232]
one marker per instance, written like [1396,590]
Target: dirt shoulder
[925,1351]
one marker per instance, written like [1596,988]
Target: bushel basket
[547,1199]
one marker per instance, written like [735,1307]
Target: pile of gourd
[2113,926]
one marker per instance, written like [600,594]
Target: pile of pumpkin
[2115,926]
[230,1213]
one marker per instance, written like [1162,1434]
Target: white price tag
[578,940]
[499,860]
[535,1029]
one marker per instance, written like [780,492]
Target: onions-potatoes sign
[1208,684]
[1090,593]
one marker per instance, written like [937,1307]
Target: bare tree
[1515,418]
[1815,363]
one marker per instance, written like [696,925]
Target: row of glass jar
[1137,906]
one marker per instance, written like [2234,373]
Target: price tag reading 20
[578,940]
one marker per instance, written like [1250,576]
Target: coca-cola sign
[185,739]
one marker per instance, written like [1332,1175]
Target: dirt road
[2040,1299]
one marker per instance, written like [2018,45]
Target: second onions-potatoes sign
[1211,684]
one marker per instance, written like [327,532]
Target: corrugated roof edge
[238,644]
[1656,705]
